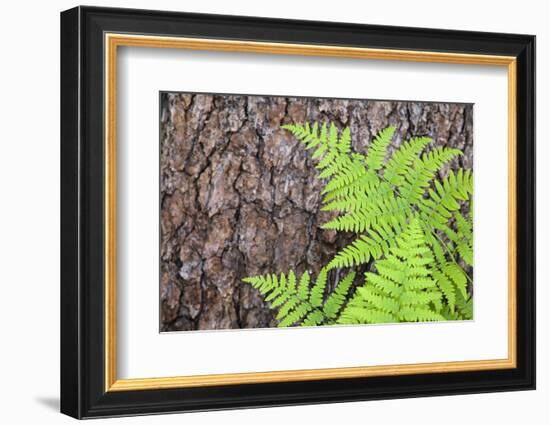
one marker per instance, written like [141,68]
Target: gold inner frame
[113,41]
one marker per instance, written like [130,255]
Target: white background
[29,229]
[256,350]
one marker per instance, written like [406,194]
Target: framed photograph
[261,212]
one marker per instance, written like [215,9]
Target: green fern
[411,226]
[402,290]
[386,203]
[377,149]
[296,302]
[401,162]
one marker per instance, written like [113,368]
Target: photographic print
[216,227]
[291,211]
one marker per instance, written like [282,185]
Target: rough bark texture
[240,197]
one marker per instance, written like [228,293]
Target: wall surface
[29,228]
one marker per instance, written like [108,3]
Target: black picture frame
[83,392]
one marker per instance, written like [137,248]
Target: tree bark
[240,196]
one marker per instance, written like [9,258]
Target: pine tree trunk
[240,196]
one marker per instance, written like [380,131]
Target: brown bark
[240,197]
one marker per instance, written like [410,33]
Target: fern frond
[331,150]
[336,299]
[296,302]
[364,217]
[441,212]
[465,307]
[372,211]
[314,318]
[403,289]
[360,185]
[463,310]
[371,245]
[446,287]
[303,287]
[423,171]
[318,290]
[361,194]
[451,279]
[344,143]
[295,316]
[445,198]
[465,240]
[402,159]
[458,277]
[345,171]
[283,293]
[377,148]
